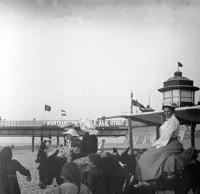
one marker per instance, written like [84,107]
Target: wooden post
[130,135]
[33,143]
[131,103]
[193,126]
[65,142]
[57,139]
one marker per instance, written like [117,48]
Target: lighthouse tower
[179,89]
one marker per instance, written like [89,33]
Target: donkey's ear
[115,151]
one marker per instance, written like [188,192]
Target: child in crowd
[8,168]
[72,180]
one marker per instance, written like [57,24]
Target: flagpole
[131,103]
[44,114]
[41,135]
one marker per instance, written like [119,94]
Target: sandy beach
[27,158]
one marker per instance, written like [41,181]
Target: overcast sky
[87,56]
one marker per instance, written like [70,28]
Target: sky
[87,56]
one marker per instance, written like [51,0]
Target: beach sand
[27,158]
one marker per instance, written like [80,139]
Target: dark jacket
[96,181]
[10,178]
[89,144]
[2,188]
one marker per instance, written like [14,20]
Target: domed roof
[178,82]
[177,76]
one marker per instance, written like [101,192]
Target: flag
[147,109]
[47,108]
[136,103]
[63,112]
[180,64]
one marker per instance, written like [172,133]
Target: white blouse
[170,128]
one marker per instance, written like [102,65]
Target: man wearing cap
[152,164]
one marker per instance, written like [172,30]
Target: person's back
[92,145]
[84,143]
[9,168]
[96,181]
[2,187]
[95,177]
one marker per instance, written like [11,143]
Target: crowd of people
[148,166]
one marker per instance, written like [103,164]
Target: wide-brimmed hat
[71,132]
[172,105]
[88,126]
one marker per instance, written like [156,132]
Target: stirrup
[169,176]
[141,183]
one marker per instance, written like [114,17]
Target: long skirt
[155,161]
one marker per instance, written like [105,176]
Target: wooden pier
[55,128]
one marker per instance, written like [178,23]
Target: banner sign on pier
[97,123]
[63,123]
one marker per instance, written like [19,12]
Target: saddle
[176,164]
[186,158]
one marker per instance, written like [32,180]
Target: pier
[55,128]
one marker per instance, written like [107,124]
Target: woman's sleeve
[22,170]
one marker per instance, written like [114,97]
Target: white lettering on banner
[62,123]
[97,123]
[109,123]
[103,123]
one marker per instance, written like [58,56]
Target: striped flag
[63,112]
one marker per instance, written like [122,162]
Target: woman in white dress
[152,164]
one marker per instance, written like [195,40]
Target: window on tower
[176,96]
[186,96]
[167,96]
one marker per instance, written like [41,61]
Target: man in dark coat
[84,143]
[92,144]
[89,144]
